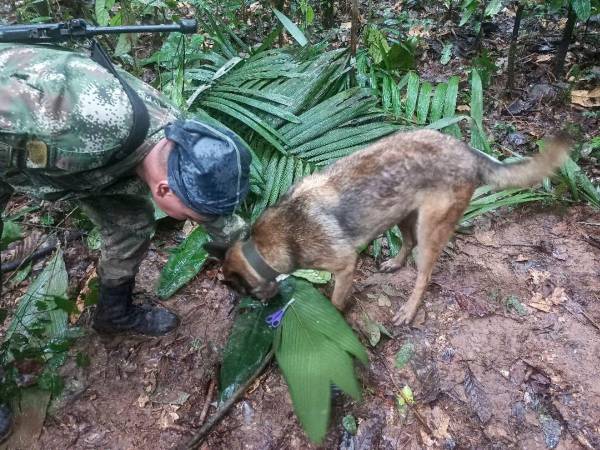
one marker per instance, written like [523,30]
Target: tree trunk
[513,47]
[327,14]
[354,28]
[561,53]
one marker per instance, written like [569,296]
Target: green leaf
[405,354]
[249,342]
[401,56]
[314,276]
[424,102]
[412,94]
[93,239]
[10,233]
[583,9]
[437,103]
[446,54]
[349,423]
[291,27]
[51,381]
[445,122]
[66,305]
[50,284]
[102,16]
[184,263]
[82,360]
[313,352]
[493,8]
[326,319]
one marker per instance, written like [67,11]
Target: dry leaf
[441,421]
[543,58]
[587,99]
[558,296]
[143,400]
[427,441]
[538,276]
[90,274]
[384,301]
[521,258]
[344,26]
[463,108]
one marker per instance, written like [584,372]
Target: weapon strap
[141,119]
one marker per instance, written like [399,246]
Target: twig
[209,394]
[223,410]
[413,408]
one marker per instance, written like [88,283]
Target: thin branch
[223,410]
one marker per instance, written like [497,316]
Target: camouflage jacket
[62,117]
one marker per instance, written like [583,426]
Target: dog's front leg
[343,285]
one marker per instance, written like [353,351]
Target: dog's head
[242,277]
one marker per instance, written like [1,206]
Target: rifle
[80,29]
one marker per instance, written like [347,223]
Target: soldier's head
[198,172]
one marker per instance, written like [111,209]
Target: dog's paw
[390,266]
[405,315]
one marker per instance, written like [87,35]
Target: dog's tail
[527,171]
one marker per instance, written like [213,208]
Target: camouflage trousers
[126,224]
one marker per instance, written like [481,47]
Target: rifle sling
[141,119]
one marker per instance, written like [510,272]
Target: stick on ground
[199,437]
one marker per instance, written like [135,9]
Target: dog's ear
[216,250]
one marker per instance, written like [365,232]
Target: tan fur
[421,181]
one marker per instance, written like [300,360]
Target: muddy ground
[487,373]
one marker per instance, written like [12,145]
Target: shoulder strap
[141,119]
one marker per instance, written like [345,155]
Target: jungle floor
[484,375]
[507,344]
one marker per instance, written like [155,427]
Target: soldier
[70,129]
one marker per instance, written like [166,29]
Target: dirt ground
[484,374]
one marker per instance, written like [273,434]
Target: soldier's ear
[216,250]
[162,189]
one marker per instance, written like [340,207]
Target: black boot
[6,422]
[116,313]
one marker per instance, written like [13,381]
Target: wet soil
[485,374]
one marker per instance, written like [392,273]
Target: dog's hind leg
[438,217]
[409,241]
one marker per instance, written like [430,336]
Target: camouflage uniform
[62,118]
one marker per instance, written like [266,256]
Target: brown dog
[421,181]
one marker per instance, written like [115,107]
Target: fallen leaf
[384,301]
[404,355]
[463,108]
[544,58]
[587,99]
[478,400]
[521,258]
[143,400]
[441,421]
[538,276]
[558,296]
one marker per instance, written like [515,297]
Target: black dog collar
[257,262]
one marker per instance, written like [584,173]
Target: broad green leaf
[184,263]
[10,233]
[249,342]
[291,27]
[325,318]
[582,8]
[313,353]
[38,303]
[401,56]
[450,105]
